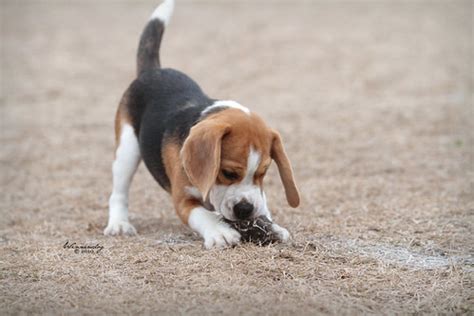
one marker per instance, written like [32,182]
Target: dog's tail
[148,55]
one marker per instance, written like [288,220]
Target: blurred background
[374,102]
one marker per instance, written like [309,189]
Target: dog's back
[163,103]
[210,155]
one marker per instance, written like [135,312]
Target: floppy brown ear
[284,167]
[201,154]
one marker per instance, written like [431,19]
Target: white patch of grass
[398,255]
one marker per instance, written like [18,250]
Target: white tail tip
[163,12]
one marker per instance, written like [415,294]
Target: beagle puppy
[210,155]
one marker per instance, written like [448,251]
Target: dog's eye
[230,175]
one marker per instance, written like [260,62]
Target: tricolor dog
[210,155]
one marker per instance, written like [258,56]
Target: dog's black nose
[243,210]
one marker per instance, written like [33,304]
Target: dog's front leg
[208,224]
[190,208]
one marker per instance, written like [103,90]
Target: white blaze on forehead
[253,161]
[226,104]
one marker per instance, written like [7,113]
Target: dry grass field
[375,104]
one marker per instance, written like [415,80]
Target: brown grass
[373,99]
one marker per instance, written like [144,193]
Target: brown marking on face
[217,149]
[244,131]
[261,172]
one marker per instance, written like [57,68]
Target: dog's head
[226,157]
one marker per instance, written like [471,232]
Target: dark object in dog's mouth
[257,230]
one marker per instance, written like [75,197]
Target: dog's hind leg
[127,159]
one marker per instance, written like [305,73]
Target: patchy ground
[374,101]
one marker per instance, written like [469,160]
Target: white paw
[120,227]
[209,225]
[220,236]
[281,233]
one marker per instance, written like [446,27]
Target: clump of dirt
[257,230]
